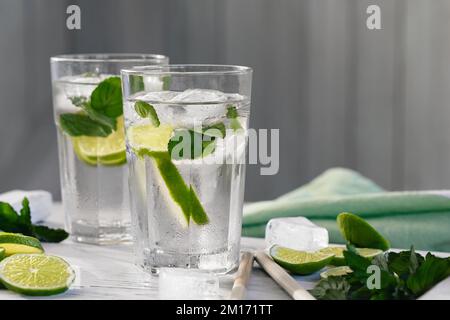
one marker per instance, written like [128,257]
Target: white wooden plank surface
[107,272]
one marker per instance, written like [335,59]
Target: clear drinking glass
[87,102]
[186,149]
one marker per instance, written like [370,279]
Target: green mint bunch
[12,221]
[402,276]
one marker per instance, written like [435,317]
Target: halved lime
[300,262]
[360,233]
[339,260]
[36,274]
[14,243]
[336,272]
[108,151]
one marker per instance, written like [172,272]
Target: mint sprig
[98,116]
[404,275]
[11,221]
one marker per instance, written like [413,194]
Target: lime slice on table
[108,151]
[300,262]
[359,233]
[2,253]
[336,272]
[151,141]
[14,243]
[339,260]
[36,274]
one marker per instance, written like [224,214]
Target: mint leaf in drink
[233,115]
[11,221]
[136,83]
[145,110]
[78,101]
[167,80]
[76,124]
[107,97]
[99,117]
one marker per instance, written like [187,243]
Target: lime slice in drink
[336,272]
[109,151]
[359,233]
[36,274]
[339,260]
[151,141]
[14,243]
[300,262]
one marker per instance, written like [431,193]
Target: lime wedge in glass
[108,151]
[36,274]
[151,141]
[300,262]
[14,243]
[360,233]
[339,260]
[336,272]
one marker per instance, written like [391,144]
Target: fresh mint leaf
[145,110]
[404,263]
[107,97]
[99,117]
[47,234]
[11,221]
[167,80]
[429,273]
[76,124]
[136,83]
[332,288]
[233,115]
[215,130]
[78,101]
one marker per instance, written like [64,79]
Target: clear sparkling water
[163,239]
[95,198]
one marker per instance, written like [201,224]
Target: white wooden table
[107,272]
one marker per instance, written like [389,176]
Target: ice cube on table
[297,233]
[40,202]
[187,284]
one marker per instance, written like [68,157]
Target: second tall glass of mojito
[186,151]
[87,100]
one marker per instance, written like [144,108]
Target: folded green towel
[419,218]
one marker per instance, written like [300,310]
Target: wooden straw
[289,284]
[245,269]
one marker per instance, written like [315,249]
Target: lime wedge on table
[36,274]
[14,243]
[2,253]
[108,151]
[339,260]
[151,141]
[300,262]
[336,272]
[359,233]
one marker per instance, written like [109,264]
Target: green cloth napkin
[419,218]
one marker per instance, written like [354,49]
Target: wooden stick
[289,284]
[240,283]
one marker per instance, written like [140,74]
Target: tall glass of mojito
[186,151]
[88,111]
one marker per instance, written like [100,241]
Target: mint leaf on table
[332,288]
[432,270]
[76,124]
[11,221]
[107,97]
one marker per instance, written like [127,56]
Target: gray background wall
[374,101]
